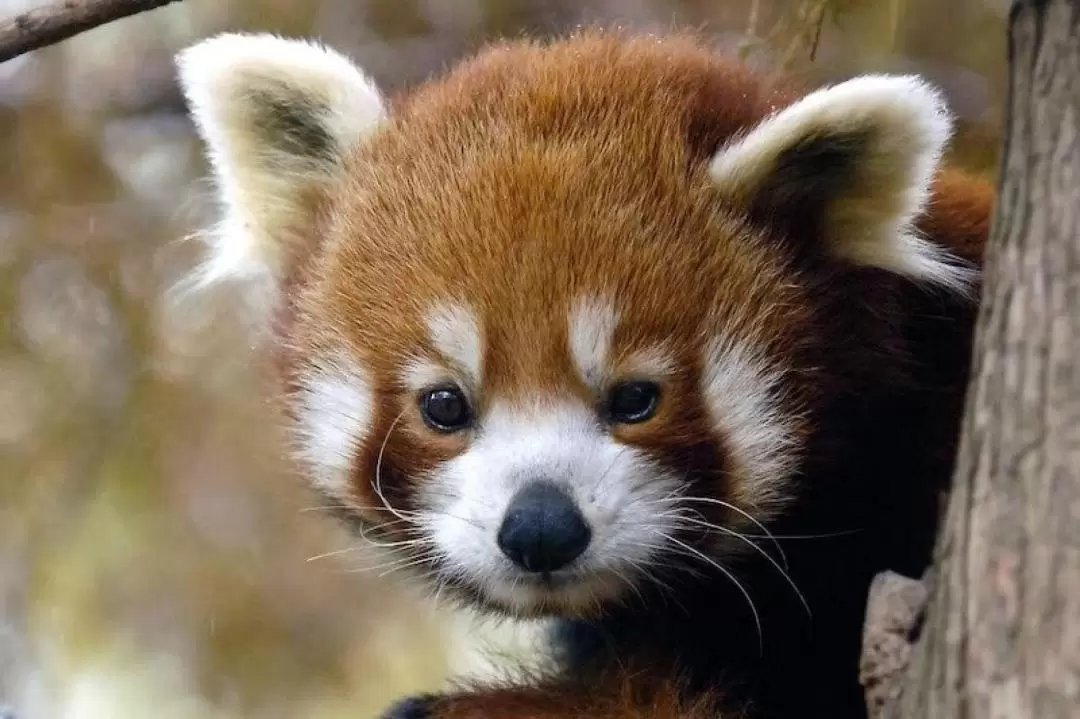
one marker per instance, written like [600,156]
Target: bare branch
[64,19]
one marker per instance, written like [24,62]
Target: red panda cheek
[671,426]
[419,453]
[397,456]
[681,438]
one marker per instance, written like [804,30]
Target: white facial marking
[334,408]
[592,324]
[741,392]
[419,373]
[456,334]
[620,491]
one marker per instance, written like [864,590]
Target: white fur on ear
[277,116]
[860,156]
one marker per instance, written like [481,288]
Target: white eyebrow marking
[419,373]
[592,324]
[456,334]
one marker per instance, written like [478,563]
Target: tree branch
[64,19]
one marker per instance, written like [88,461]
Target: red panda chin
[560,595]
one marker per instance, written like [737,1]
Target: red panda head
[571,313]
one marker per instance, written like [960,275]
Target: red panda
[612,329]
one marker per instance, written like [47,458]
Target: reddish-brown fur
[405,239]
[620,695]
[594,150]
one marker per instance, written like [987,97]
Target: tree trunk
[1002,631]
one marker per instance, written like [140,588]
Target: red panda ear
[853,164]
[277,117]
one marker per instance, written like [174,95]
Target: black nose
[543,530]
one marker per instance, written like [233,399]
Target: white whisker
[824,535]
[743,513]
[396,564]
[335,553]
[762,552]
[734,580]
[377,480]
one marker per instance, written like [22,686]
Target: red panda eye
[445,409]
[632,402]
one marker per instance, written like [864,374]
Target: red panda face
[540,392]
[564,317]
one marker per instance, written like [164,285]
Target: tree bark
[63,19]
[1002,629]
[896,608]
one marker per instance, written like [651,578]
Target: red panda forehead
[523,244]
[557,302]
[536,191]
[644,93]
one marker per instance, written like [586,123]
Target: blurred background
[156,558]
